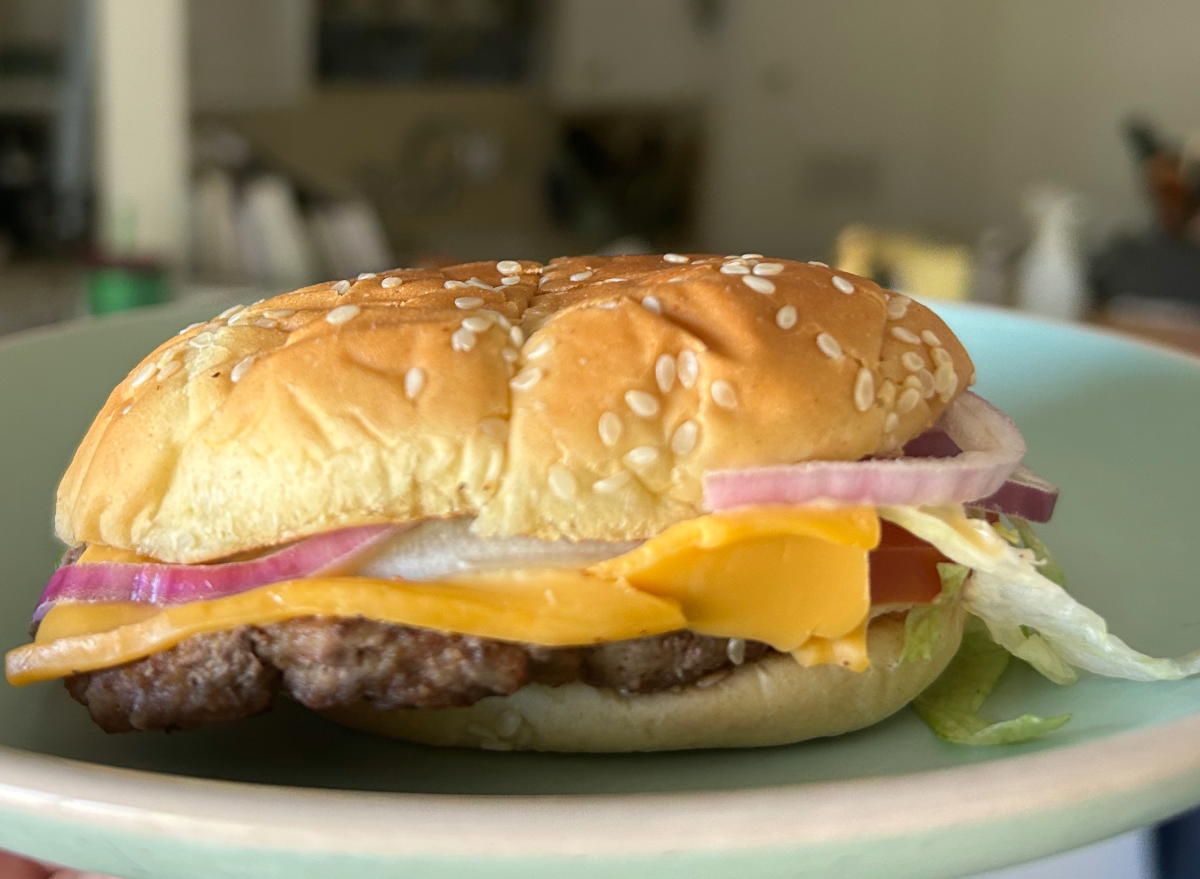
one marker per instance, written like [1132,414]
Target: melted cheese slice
[795,579]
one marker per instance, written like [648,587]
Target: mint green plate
[1116,424]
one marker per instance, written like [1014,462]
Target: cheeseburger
[604,504]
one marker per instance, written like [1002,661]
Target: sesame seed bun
[774,701]
[582,399]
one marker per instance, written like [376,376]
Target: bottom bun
[774,701]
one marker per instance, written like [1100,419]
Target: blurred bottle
[1051,273]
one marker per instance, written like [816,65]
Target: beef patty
[325,662]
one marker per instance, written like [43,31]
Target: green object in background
[120,288]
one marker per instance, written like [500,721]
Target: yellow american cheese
[795,579]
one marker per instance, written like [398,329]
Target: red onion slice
[992,447]
[176,584]
[1023,494]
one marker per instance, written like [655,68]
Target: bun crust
[430,393]
[774,701]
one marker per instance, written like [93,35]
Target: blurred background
[1020,152]
[1040,154]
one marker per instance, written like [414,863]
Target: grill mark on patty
[325,662]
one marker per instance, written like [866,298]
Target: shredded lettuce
[1009,591]
[923,625]
[1046,561]
[950,705]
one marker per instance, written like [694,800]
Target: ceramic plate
[287,794]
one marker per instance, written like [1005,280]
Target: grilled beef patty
[325,662]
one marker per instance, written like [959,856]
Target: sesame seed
[517,335]
[477,323]
[233,309]
[940,356]
[341,287]
[842,284]
[541,349]
[829,346]
[684,438]
[897,307]
[236,316]
[455,285]
[945,379]
[912,382]
[508,267]
[723,394]
[496,428]
[266,324]
[763,269]
[189,328]
[927,383]
[581,276]
[615,280]
[468,302]
[277,313]
[913,361]
[391,281]
[687,368]
[891,422]
[814,262]
[785,318]
[664,372]
[509,280]
[930,338]
[482,285]
[610,428]
[168,369]
[905,335]
[341,314]
[542,281]
[526,379]
[240,369]
[641,456]
[864,390]
[561,482]
[908,400]
[675,258]
[887,393]
[125,411]
[202,340]
[366,276]
[735,268]
[510,355]
[414,381]
[462,339]
[735,650]
[613,483]
[652,304]
[498,317]
[752,256]
[732,256]
[676,279]
[641,403]
[759,285]
[143,375]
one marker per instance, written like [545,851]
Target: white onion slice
[445,547]
[992,448]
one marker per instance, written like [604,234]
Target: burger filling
[433,617]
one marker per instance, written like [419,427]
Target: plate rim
[263,816]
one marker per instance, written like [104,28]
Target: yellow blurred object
[905,262]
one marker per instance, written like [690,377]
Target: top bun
[581,399]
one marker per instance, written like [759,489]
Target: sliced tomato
[904,569]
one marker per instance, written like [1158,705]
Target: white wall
[958,106]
